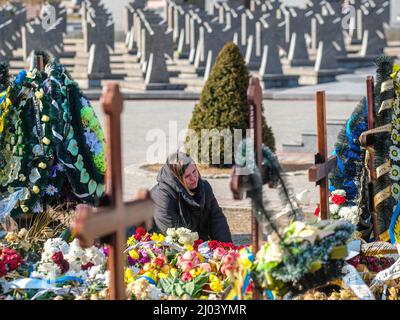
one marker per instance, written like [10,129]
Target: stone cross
[110,222]
[323,165]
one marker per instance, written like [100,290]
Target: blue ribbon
[393,222]
[150,280]
[61,280]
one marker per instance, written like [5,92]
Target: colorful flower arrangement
[178,265]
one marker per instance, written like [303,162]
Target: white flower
[395,190]
[338,192]
[351,214]
[171,232]
[334,208]
[169,239]
[394,153]
[395,173]
[274,251]
[55,245]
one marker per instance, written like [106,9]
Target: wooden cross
[323,165]
[367,140]
[254,98]
[110,221]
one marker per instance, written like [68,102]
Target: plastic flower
[394,153]
[35,189]
[51,190]
[395,173]
[395,190]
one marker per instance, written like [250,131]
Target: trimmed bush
[223,101]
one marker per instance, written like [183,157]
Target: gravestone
[298,52]
[271,72]
[376,17]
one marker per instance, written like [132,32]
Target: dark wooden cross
[110,221]
[323,165]
[367,141]
[254,98]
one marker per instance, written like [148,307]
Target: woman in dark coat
[183,199]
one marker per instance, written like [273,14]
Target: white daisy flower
[395,173]
[394,153]
[395,191]
[395,136]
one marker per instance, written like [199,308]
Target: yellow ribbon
[383,169]
[382,196]
[395,76]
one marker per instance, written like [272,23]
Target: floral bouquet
[340,208]
[305,257]
[178,265]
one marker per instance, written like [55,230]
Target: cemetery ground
[287,118]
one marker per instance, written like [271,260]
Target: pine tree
[223,101]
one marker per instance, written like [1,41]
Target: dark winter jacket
[175,208]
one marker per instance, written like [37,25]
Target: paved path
[287,119]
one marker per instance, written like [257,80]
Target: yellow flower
[131,241]
[173,272]
[24,209]
[133,254]
[216,286]
[195,272]
[129,277]
[165,269]
[46,141]
[213,278]
[189,247]
[157,237]
[200,257]
[42,165]
[45,118]
[39,94]
[35,189]
[162,275]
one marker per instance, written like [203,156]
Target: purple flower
[93,142]
[37,208]
[131,261]
[105,250]
[59,167]
[143,257]
[51,190]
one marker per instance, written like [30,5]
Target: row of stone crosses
[279,43]
[315,42]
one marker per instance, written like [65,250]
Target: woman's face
[191,176]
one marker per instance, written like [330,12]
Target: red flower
[3,269]
[10,260]
[338,200]
[59,260]
[197,243]
[213,244]
[87,266]
[159,262]
[140,231]
[316,212]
